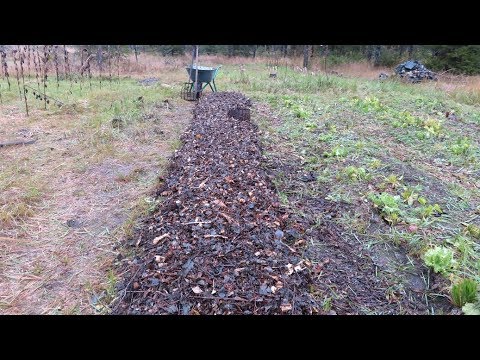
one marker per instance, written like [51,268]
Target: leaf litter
[216,244]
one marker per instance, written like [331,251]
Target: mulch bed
[219,242]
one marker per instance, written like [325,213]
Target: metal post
[196,69]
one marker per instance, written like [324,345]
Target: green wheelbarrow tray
[205,75]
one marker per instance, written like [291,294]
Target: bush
[459,59]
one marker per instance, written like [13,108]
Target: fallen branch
[17,142]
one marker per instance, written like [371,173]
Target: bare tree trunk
[255,51]
[136,53]
[100,63]
[369,52]
[306,49]
[410,50]
[100,56]
[376,55]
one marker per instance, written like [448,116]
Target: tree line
[464,59]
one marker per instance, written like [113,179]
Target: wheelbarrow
[206,77]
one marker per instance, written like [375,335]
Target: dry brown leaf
[228,218]
[299,267]
[219,203]
[197,290]
[238,270]
[286,307]
[299,242]
[289,269]
[160,238]
[202,184]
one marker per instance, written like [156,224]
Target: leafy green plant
[440,258]
[461,146]
[389,206]
[422,200]
[464,246]
[311,126]
[409,195]
[428,210]
[370,104]
[325,137]
[375,163]
[464,291]
[473,230]
[471,309]
[336,151]
[432,126]
[300,112]
[288,103]
[404,119]
[331,127]
[355,174]
[393,180]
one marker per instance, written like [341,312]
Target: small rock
[292,234]
[73,223]
[308,177]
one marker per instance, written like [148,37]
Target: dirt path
[56,260]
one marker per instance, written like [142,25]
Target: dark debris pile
[149,81]
[414,71]
[219,243]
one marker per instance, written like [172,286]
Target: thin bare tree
[22,60]
[15,56]
[306,53]
[3,56]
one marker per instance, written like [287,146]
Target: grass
[83,167]
[385,149]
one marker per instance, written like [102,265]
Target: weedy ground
[67,200]
[402,176]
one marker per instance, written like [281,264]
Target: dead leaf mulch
[219,241]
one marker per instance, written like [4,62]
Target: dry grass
[362,70]
[67,199]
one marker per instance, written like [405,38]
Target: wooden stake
[196,71]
